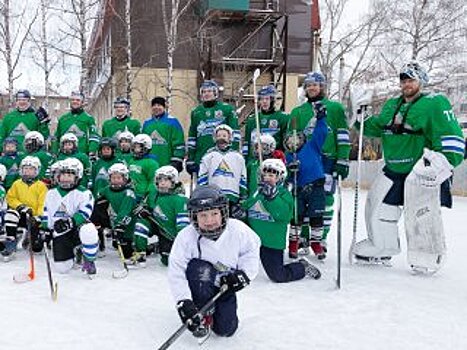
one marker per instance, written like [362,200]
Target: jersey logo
[158,213]
[13,170]
[20,130]
[258,212]
[102,174]
[74,129]
[135,169]
[157,139]
[310,127]
[61,212]
[273,123]
[223,170]
[218,114]
[206,127]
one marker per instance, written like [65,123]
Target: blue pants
[201,276]
[311,200]
[273,263]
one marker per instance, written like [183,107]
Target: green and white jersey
[100,175]
[11,164]
[142,173]
[113,127]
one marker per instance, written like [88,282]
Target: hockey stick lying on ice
[200,314]
[22,277]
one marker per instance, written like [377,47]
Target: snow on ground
[377,308]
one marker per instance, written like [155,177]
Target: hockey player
[417,179]
[122,121]
[166,132]
[25,201]
[69,149]
[34,145]
[269,211]
[336,149]
[99,173]
[123,153]
[11,159]
[204,119]
[307,176]
[67,211]
[167,208]
[272,122]
[224,167]
[79,123]
[142,166]
[22,119]
[212,251]
[3,205]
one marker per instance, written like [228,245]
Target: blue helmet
[314,78]
[268,90]
[413,70]
[209,85]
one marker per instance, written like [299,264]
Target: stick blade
[119,274]
[256,73]
[23,278]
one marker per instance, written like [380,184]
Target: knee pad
[63,266]
[89,239]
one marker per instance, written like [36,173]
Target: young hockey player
[269,212]
[204,119]
[166,132]
[69,149]
[212,252]
[24,118]
[79,123]
[67,211]
[272,122]
[142,166]
[307,176]
[34,146]
[123,153]
[11,159]
[99,173]
[167,213]
[122,121]
[225,168]
[25,201]
[3,207]
[422,143]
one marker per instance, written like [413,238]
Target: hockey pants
[273,264]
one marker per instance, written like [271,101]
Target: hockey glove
[177,164]
[269,191]
[342,168]
[119,231]
[188,313]
[64,225]
[45,235]
[320,110]
[294,166]
[235,281]
[237,212]
[24,209]
[141,212]
[42,115]
[192,167]
[93,157]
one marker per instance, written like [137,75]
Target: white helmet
[144,141]
[168,172]
[69,137]
[54,171]
[119,168]
[3,172]
[125,135]
[275,166]
[221,143]
[268,143]
[70,166]
[32,162]
[33,141]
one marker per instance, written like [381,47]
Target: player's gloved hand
[119,231]
[293,166]
[24,209]
[235,281]
[45,234]
[320,110]
[269,191]
[188,312]
[64,225]
[192,167]
[342,168]
[141,212]
[177,164]
[93,157]
[42,115]
[237,212]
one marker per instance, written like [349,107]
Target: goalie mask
[109,143]
[33,141]
[413,70]
[70,172]
[203,203]
[118,183]
[68,143]
[223,136]
[272,166]
[166,179]
[268,145]
[29,169]
[294,141]
[141,145]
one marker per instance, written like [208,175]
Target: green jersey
[426,122]
[46,161]
[100,175]
[83,126]
[252,176]
[270,218]
[337,144]
[84,159]
[203,121]
[142,172]
[168,140]
[123,157]
[113,127]
[11,164]
[272,123]
[17,124]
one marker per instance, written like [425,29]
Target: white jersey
[226,170]
[77,203]
[236,248]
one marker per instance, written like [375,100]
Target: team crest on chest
[61,212]
[13,170]
[74,129]
[218,114]
[273,123]
[102,174]
[223,170]
[157,139]
[259,212]
[20,130]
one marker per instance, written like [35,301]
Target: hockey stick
[294,236]
[193,179]
[357,184]
[339,232]
[124,272]
[53,285]
[256,75]
[22,278]
[200,314]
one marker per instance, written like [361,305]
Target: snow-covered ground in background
[377,308]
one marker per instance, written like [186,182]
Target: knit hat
[158,100]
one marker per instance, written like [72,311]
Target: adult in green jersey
[410,126]
[122,120]
[78,122]
[204,119]
[24,118]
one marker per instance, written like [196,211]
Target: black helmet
[207,198]
[110,142]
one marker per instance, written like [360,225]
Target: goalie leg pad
[381,223]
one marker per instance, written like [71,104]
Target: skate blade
[422,271]
[203,339]
[367,261]
[119,274]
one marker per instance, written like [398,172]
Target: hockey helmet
[69,138]
[33,141]
[70,166]
[32,162]
[413,70]
[119,168]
